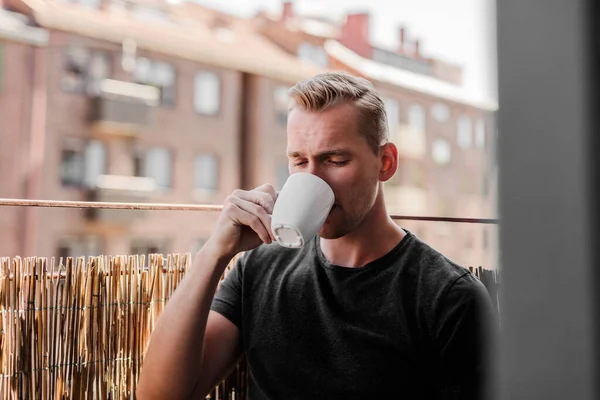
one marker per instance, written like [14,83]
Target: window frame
[217,172]
[219,93]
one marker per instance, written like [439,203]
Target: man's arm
[191,348]
[222,352]
[465,334]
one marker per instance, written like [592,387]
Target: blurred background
[183,102]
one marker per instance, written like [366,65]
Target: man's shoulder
[442,283]
[438,272]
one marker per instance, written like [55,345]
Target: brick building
[169,127]
[20,45]
[156,102]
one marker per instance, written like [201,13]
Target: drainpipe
[37,137]
[244,131]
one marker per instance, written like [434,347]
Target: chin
[331,231]
[338,225]
[329,235]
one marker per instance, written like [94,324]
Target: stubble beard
[344,221]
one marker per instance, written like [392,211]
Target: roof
[406,79]
[318,28]
[13,27]
[239,48]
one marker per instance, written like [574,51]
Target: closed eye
[339,163]
[336,163]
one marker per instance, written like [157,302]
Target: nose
[313,168]
[317,171]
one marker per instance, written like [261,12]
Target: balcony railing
[122,108]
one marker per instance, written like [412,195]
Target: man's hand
[245,221]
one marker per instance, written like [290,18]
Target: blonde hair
[326,90]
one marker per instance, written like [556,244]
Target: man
[364,311]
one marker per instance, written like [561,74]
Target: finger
[243,217]
[268,188]
[264,199]
[256,210]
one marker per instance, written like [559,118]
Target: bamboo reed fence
[78,329]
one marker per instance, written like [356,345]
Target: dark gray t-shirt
[409,325]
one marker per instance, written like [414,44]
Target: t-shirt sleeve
[228,297]
[465,329]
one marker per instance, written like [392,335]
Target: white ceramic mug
[301,209]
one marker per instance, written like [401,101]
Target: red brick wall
[15,108]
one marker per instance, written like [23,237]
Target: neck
[376,236]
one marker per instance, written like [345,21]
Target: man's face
[327,144]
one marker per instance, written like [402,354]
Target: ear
[388,154]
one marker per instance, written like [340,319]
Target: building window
[480,134]
[465,132]
[71,167]
[283,173]
[206,172]
[155,163]
[94,162]
[138,164]
[85,69]
[440,112]
[416,118]
[313,54]
[82,162]
[207,93]
[158,74]
[281,99]
[440,152]
[392,110]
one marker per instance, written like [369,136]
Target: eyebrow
[326,153]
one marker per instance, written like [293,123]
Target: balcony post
[548,149]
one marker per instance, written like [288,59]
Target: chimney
[417,49]
[288,10]
[355,34]
[358,26]
[402,39]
